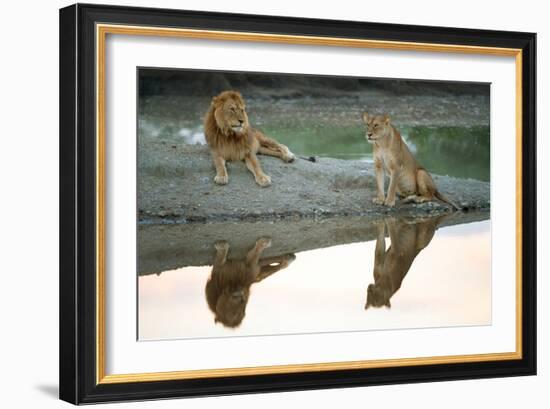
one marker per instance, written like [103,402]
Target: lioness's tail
[444,199]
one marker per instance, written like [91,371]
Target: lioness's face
[377,126]
[231,114]
[377,297]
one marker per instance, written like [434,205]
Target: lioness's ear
[366,117]
[387,119]
[388,304]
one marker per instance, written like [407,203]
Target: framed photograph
[258,203]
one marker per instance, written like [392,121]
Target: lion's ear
[239,96]
[366,117]
[214,100]
[387,119]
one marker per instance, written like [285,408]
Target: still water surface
[412,276]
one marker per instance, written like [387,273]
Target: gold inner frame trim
[101,32]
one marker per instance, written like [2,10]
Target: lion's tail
[445,199]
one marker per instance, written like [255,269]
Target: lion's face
[231,305]
[377,297]
[378,126]
[230,113]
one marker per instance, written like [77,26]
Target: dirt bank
[177,186]
[170,246]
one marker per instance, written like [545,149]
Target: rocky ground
[178,187]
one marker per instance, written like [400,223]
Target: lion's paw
[390,203]
[263,180]
[290,258]
[221,180]
[264,242]
[378,200]
[288,156]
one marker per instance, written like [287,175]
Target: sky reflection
[325,290]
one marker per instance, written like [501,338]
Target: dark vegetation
[273,85]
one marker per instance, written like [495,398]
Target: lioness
[230,137]
[391,266]
[228,287]
[391,154]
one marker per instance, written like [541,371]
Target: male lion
[230,137]
[228,287]
[391,154]
[391,266]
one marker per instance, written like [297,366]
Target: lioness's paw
[221,245]
[378,200]
[263,180]
[390,203]
[221,180]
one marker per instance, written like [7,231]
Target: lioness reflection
[228,287]
[391,266]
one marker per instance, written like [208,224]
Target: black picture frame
[78,313]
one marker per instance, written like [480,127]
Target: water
[413,275]
[442,132]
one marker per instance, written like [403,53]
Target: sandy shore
[180,189]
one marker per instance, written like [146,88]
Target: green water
[457,151]
[446,150]
[319,128]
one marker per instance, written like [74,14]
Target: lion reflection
[390,267]
[228,287]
